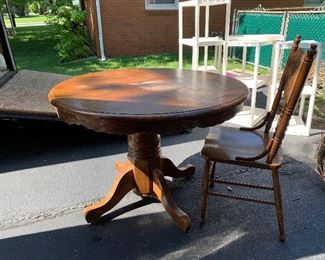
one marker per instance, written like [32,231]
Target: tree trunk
[11,12]
[42,9]
[20,10]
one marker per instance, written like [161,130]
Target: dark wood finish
[286,81]
[147,100]
[144,103]
[247,147]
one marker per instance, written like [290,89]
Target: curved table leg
[122,167]
[144,172]
[123,183]
[162,192]
[169,169]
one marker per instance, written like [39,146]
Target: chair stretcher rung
[255,186]
[236,197]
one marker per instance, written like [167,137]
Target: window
[161,4]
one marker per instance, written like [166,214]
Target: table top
[147,100]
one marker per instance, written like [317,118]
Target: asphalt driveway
[49,171]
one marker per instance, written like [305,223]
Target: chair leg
[278,203]
[212,174]
[204,190]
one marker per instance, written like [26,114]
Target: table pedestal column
[144,172]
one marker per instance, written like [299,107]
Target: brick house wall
[130,30]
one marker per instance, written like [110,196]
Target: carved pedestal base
[144,172]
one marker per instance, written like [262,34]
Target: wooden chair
[247,147]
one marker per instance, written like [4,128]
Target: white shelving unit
[297,126]
[251,115]
[196,41]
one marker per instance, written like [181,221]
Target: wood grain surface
[147,100]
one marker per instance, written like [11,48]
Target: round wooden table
[143,103]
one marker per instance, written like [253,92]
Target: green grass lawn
[33,49]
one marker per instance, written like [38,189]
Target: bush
[59,3]
[74,41]
[319,107]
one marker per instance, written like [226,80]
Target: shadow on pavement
[234,229]
[29,144]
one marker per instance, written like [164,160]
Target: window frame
[158,7]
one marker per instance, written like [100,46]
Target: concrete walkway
[49,171]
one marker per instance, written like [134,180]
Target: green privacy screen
[259,23]
[310,25]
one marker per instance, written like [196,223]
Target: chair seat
[224,144]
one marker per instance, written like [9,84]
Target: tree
[20,7]
[39,6]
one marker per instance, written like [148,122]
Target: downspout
[100,31]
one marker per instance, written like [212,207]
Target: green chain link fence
[259,23]
[309,24]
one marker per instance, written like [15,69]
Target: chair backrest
[291,66]
[291,85]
